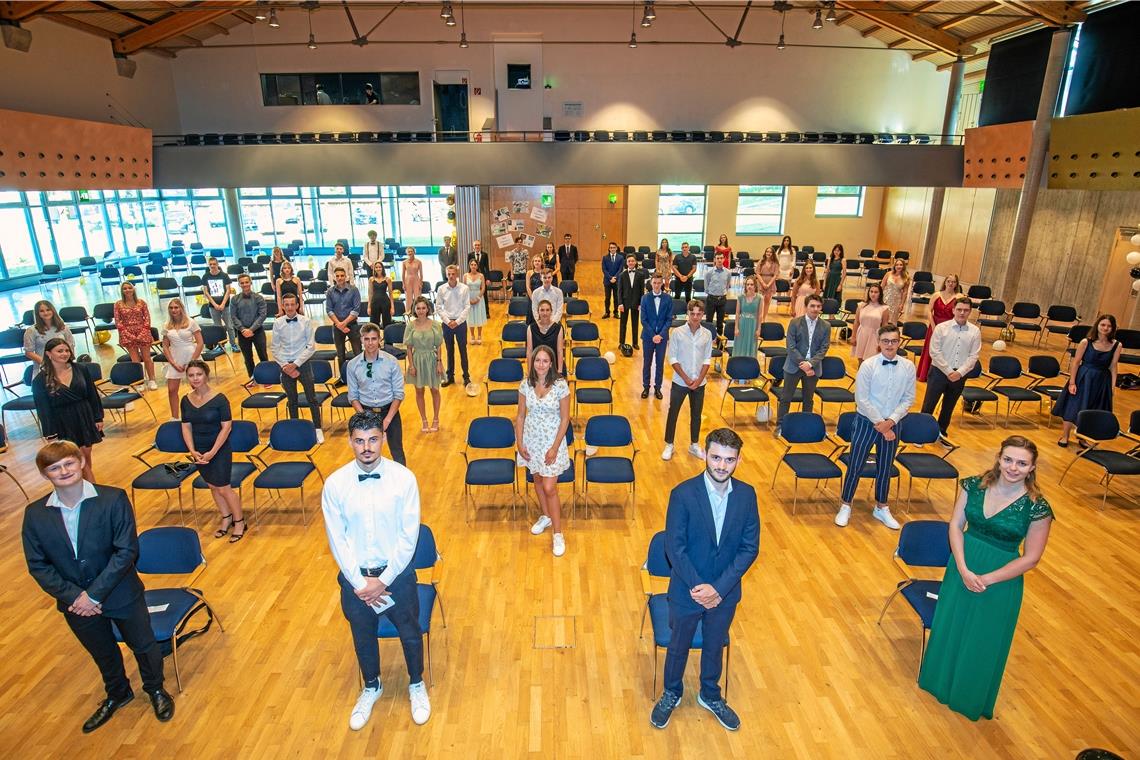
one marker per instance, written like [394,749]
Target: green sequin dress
[972,633]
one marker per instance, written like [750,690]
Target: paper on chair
[157,608]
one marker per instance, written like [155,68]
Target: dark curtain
[1014,75]
[1106,75]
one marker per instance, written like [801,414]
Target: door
[451,111]
[591,243]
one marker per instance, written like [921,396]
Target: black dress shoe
[606,315]
[636,347]
[104,712]
[657,394]
[163,704]
[645,393]
[446,383]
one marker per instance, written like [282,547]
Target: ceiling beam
[968,59]
[923,54]
[23,11]
[897,43]
[893,19]
[247,18]
[179,21]
[82,26]
[1009,26]
[1052,12]
[954,21]
[870,30]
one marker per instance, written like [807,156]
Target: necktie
[362,478]
[290,319]
[892,362]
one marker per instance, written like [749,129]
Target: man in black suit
[630,289]
[712,537]
[567,258]
[80,544]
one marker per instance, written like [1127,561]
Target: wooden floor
[542,656]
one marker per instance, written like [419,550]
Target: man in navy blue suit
[612,264]
[712,537]
[656,318]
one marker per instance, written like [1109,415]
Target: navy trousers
[863,436]
[714,636]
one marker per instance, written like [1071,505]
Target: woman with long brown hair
[1092,375]
[724,251]
[836,273]
[767,274]
[663,262]
[423,337]
[132,318]
[288,282]
[786,256]
[805,285]
[206,425]
[540,430]
[67,402]
[46,325]
[869,317]
[379,296]
[941,310]
[980,598]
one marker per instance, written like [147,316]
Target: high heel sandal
[434,426]
[221,532]
[238,536]
[423,425]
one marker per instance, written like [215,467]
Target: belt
[373,572]
[377,407]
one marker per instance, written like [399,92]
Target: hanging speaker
[125,67]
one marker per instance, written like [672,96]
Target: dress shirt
[552,294]
[344,263]
[453,303]
[248,311]
[810,324]
[954,347]
[294,342]
[385,385]
[884,390]
[716,281]
[341,303]
[718,502]
[518,260]
[373,252]
[372,522]
[692,350]
[70,515]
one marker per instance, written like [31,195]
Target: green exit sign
[547,200]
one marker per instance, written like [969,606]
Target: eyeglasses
[889,341]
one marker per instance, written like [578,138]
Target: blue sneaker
[664,708]
[235,349]
[723,713]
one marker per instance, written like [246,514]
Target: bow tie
[362,478]
[892,362]
[290,319]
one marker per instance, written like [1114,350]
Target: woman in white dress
[477,317]
[540,432]
[786,255]
[181,343]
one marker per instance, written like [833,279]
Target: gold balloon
[102,336]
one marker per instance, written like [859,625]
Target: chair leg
[427,656]
[890,599]
[727,662]
[174,658]
[795,493]
[655,647]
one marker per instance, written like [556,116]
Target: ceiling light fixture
[260,13]
[446,12]
[818,23]
[633,25]
[273,22]
[780,45]
[830,13]
[646,22]
[649,12]
[463,40]
[312,39]
[463,27]
[450,21]
[633,39]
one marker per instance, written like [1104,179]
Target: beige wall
[641,221]
[962,233]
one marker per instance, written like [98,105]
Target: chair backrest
[324,335]
[491,433]
[514,332]
[127,373]
[1058,313]
[845,426]
[292,435]
[518,307]
[394,334]
[322,370]
[169,550]
[803,427]
[918,429]
[426,554]
[656,559]
[592,369]
[744,367]
[267,373]
[1005,367]
[577,307]
[94,371]
[168,438]
[924,543]
[191,281]
[502,370]
[608,430]
[923,276]
[73,314]
[833,368]
[212,335]
[991,308]
[1044,365]
[1098,424]
[243,435]
[104,312]
[584,332]
[914,330]
[978,292]
[771,331]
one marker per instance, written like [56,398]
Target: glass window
[365,190]
[68,233]
[118,241]
[257,221]
[400,88]
[59,195]
[289,220]
[210,220]
[681,214]
[839,200]
[206,192]
[367,215]
[155,228]
[332,190]
[10,196]
[95,229]
[335,221]
[760,210]
[44,241]
[180,221]
[415,221]
[16,245]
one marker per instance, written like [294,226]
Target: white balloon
[609,356]
[1133,258]
[1136,239]
[1136,286]
[999,345]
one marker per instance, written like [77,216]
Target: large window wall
[681,215]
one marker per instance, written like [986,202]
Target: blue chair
[804,429]
[922,543]
[913,336]
[991,313]
[322,375]
[508,372]
[512,341]
[264,373]
[593,372]
[78,321]
[427,588]
[569,288]
[1096,427]
[103,316]
[1039,369]
[585,341]
[843,430]
[26,403]
[110,277]
[214,344]
[518,307]
[287,437]
[973,394]
[168,475]
[50,273]
[324,337]
[655,584]
[394,339]
[489,434]
[575,310]
[833,370]
[743,372]
[127,378]
[243,440]
[174,551]
[1009,368]
[917,430]
[4,468]
[773,333]
[608,431]
[167,287]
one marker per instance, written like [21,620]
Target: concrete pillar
[234,229]
[938,197]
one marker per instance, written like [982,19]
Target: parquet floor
[542,657]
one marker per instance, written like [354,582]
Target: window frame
[676,238]
[742,193]
[861,197]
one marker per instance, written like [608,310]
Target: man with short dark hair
[631,287]
[808,339]
[81,545]
[216,289]
[690,353]
[656,317]
[453,304]
[342,304]
[954,348]
[371,508]
[376,384]
[684,269]
[294,343]
[248,310]
[612,265]
[716,292]
[567,257]
[712,537]
[448,254]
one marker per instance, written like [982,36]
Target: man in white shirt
[294,343]
[453,304]
[690,353]
[373,251]
[954,348]
[884,391]
[340,261]
[547,293]
[372,516]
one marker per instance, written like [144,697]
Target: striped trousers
[863,436]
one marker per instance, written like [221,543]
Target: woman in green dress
[747,310]
[836,272]
[423,337]
[981,592]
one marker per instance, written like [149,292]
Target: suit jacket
[448,255]
[482,259]
[567,258]
[612,268]
[108,548]
[692,548]
[656,321]
[629,296]
[797,341]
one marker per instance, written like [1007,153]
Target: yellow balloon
[102,336]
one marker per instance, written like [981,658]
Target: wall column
[1035,161]
[938,197]
[233,222]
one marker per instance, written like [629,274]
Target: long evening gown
[940,312]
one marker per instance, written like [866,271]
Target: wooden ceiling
[935,31]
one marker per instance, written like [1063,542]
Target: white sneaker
[320,436]
[696,450]
[540,525]
[591,450]
[421,705]
[843,516]
[152,385]
[363,710]
[667,454]
[559,545]
[883,515]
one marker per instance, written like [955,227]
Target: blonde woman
[896,290]
[663,262]
[288,282]
[276,259]
[132,319]
[181,344]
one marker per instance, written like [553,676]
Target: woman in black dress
[1092,376]
[546,332]
[67,402]
[288,282]
[379,296]
[206,424]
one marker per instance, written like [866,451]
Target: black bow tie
[892,362]
[363,478]
[290,319]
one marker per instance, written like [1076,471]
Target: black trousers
[714,633]
[627,315]
[248,344]
[791,380]
[714,305]
[353,338]
[98,638]
[683,289]
[290,386]
[394,432]
[677,395]
[939,386]
[451,336]
[610,289]
[364,622]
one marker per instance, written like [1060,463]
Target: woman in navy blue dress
[1092,376]
[206,426]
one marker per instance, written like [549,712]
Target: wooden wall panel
[589,216]
[902,225]
[1093,151]
[995,155]
[508,195]
[962,233]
